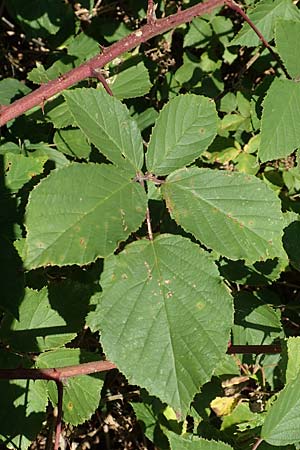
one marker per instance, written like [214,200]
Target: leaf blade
[106,122]
[182,443]
[281,426]
[143,293]
[184,129]
[81,212]
[280,134]
[235,214]
[287,37]
[82,393]
[264,16]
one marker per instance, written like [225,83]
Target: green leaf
[38,18]
[264,16]
[83,47]
[243,415]
[157,317]
[60,115]
[222,27]
[82,393]
[81,212]
[146,118]
[106,122]
[255,321]
[290,238]
[257,274]
[280,134]
[247,163]
[194,443]
[56,112]
[199,33]
[130,83]
[113,32]
[48,318]
[287,37]
[72,142]
[40,75]
[184,129]
[19,169]
[44,150]
[23,406]
[282,423]
[149,414]
[293,365]
[10,89]
[235,214]
[231,122]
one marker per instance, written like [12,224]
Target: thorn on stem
[98,74]
[43,106]
[151,16]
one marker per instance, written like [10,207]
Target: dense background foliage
[202,129]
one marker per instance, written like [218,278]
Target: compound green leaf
[81,212]
[106,122]
[264,16]
[280,134]
[184,129]
[235,214]
[282,423]
[194,443]
[157,317]
[287,37]
[48,318]
[81,394]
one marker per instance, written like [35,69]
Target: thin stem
[56,374]
[148,31]
[235,7]
[148,220]
[60,373]
[60,392]
[148,177]
[257,443]
[254,349]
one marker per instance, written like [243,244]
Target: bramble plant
[150,219]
